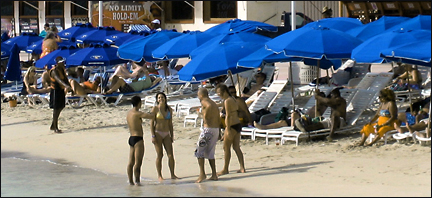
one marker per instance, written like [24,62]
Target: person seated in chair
[30,83]
[260,78]
[136,85]
[427,133]
[123,72]
[86,87]
[295,115]
[410,79]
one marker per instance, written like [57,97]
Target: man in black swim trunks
[232,129]
[136,142]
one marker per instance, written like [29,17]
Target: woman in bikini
[232,130]
[30,83]
[163,133]
[384,120]
[49,43]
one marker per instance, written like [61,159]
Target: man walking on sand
[136,142]
[209,135]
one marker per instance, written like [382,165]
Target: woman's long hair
[50,35]
[388,95]
[166,103]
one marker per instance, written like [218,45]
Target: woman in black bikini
[232,129]
[162,133]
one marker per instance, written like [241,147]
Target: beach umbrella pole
[231,77]
[316,87]
[292,87]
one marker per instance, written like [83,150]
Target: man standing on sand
[209,135]
[136,142]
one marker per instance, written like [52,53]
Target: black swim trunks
[237,127]
[57,99]
[134,139]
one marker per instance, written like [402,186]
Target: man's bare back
[210,113]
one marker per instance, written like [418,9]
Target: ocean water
[23,176]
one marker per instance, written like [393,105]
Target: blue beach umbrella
[97,35]
[118,39]
[13,68]
[314,42]
[232,37]
[49,59]
[374,28]
[238,25]
[181,46]
[24,40]
[369,51]
[339,23]
[5,51]
[217,61]
[420,22]
[36,47]
[417,53]
[142,48]
[95,55]
[262,55]
[75,31]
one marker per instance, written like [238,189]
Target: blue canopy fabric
[217,60]
[255,60]
[420,22]
[36,47]
[4,36]
[339,23]
[95,55]
[24,40]
[142,48]
[238,25]
[71,33]
[369,51]
[374,28]
[97,35]
[233,37]
[13,68]
[118,39]
[181,46]
[49,59]
[417,53]
[5,51]
[315,43]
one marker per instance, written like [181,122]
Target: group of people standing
[161,129]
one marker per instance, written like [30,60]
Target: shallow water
[26,176]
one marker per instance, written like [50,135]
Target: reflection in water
[26,176]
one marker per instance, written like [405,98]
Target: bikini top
[385,113]
[160,116]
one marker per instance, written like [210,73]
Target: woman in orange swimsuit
[162,133]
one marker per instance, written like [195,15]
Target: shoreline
[96,138]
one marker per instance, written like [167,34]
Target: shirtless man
[260,78]
[209,135]
[338,109]
[136,142]
[232,129]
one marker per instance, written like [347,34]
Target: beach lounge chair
[103,98]
[357,102]
[264,99]
[421,140]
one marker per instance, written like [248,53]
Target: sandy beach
[96,138]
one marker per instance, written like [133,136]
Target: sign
[122,14]
[58,22]
[28,25]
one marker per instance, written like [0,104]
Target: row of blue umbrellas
[327,43]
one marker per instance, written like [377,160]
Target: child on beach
[136,142]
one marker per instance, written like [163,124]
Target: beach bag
[282,114]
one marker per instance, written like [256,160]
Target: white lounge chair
[357,102]
[264,99]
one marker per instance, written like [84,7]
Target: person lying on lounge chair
[295,115]
[30,83]
[427,133]
[260,78]
[136,85]
[123,72]
[86,87]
